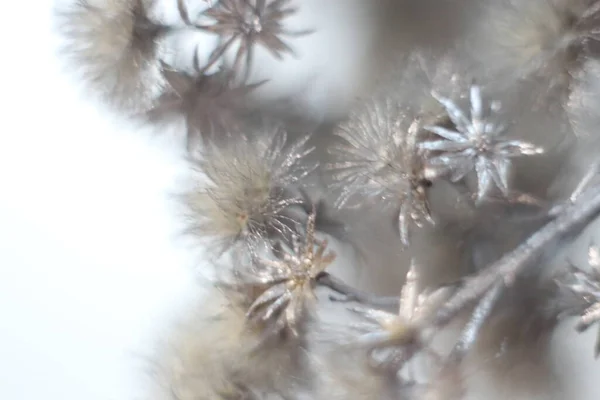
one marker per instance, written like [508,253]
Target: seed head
[249,187]
[377,158]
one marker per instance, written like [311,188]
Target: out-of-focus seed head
[580,293]
[544,39]
[248,23]
[114,46]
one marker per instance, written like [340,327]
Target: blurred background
[91,266]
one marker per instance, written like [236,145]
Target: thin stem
[352,294]
[505,270]
[471,330]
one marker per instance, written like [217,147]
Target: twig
[505,270]
[352,294]
[471,330]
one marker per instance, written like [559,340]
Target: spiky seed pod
[580,293]
[212,355]
[476,143]
[209,105]
[393,339]
[248,23]
[115,48]
[377,159]
[241,192]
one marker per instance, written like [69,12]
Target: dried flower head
[248,23]
[378,159]
[208,103]
[476,142]
[396,338]
[114,46]
[583,288]
[250,187]
[290,279]
[542,38]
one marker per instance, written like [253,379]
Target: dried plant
[209,104]
[116,49]
[378,159]
[290,279]
[287,322]
[249,189]
[209,355]
[400,336]
[545,39]
[247,23]
[582,293]
[476,143]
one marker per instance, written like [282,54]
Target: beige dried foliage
[114,47]
[209,356]
[536,39]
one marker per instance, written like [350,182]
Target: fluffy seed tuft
[251,184]
[115,48]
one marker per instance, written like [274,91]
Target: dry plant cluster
[472,157]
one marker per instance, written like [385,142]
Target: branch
[471,330]
[352,294]
[568,219]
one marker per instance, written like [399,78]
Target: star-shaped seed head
[474,143]
[249,23]
[289,280]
